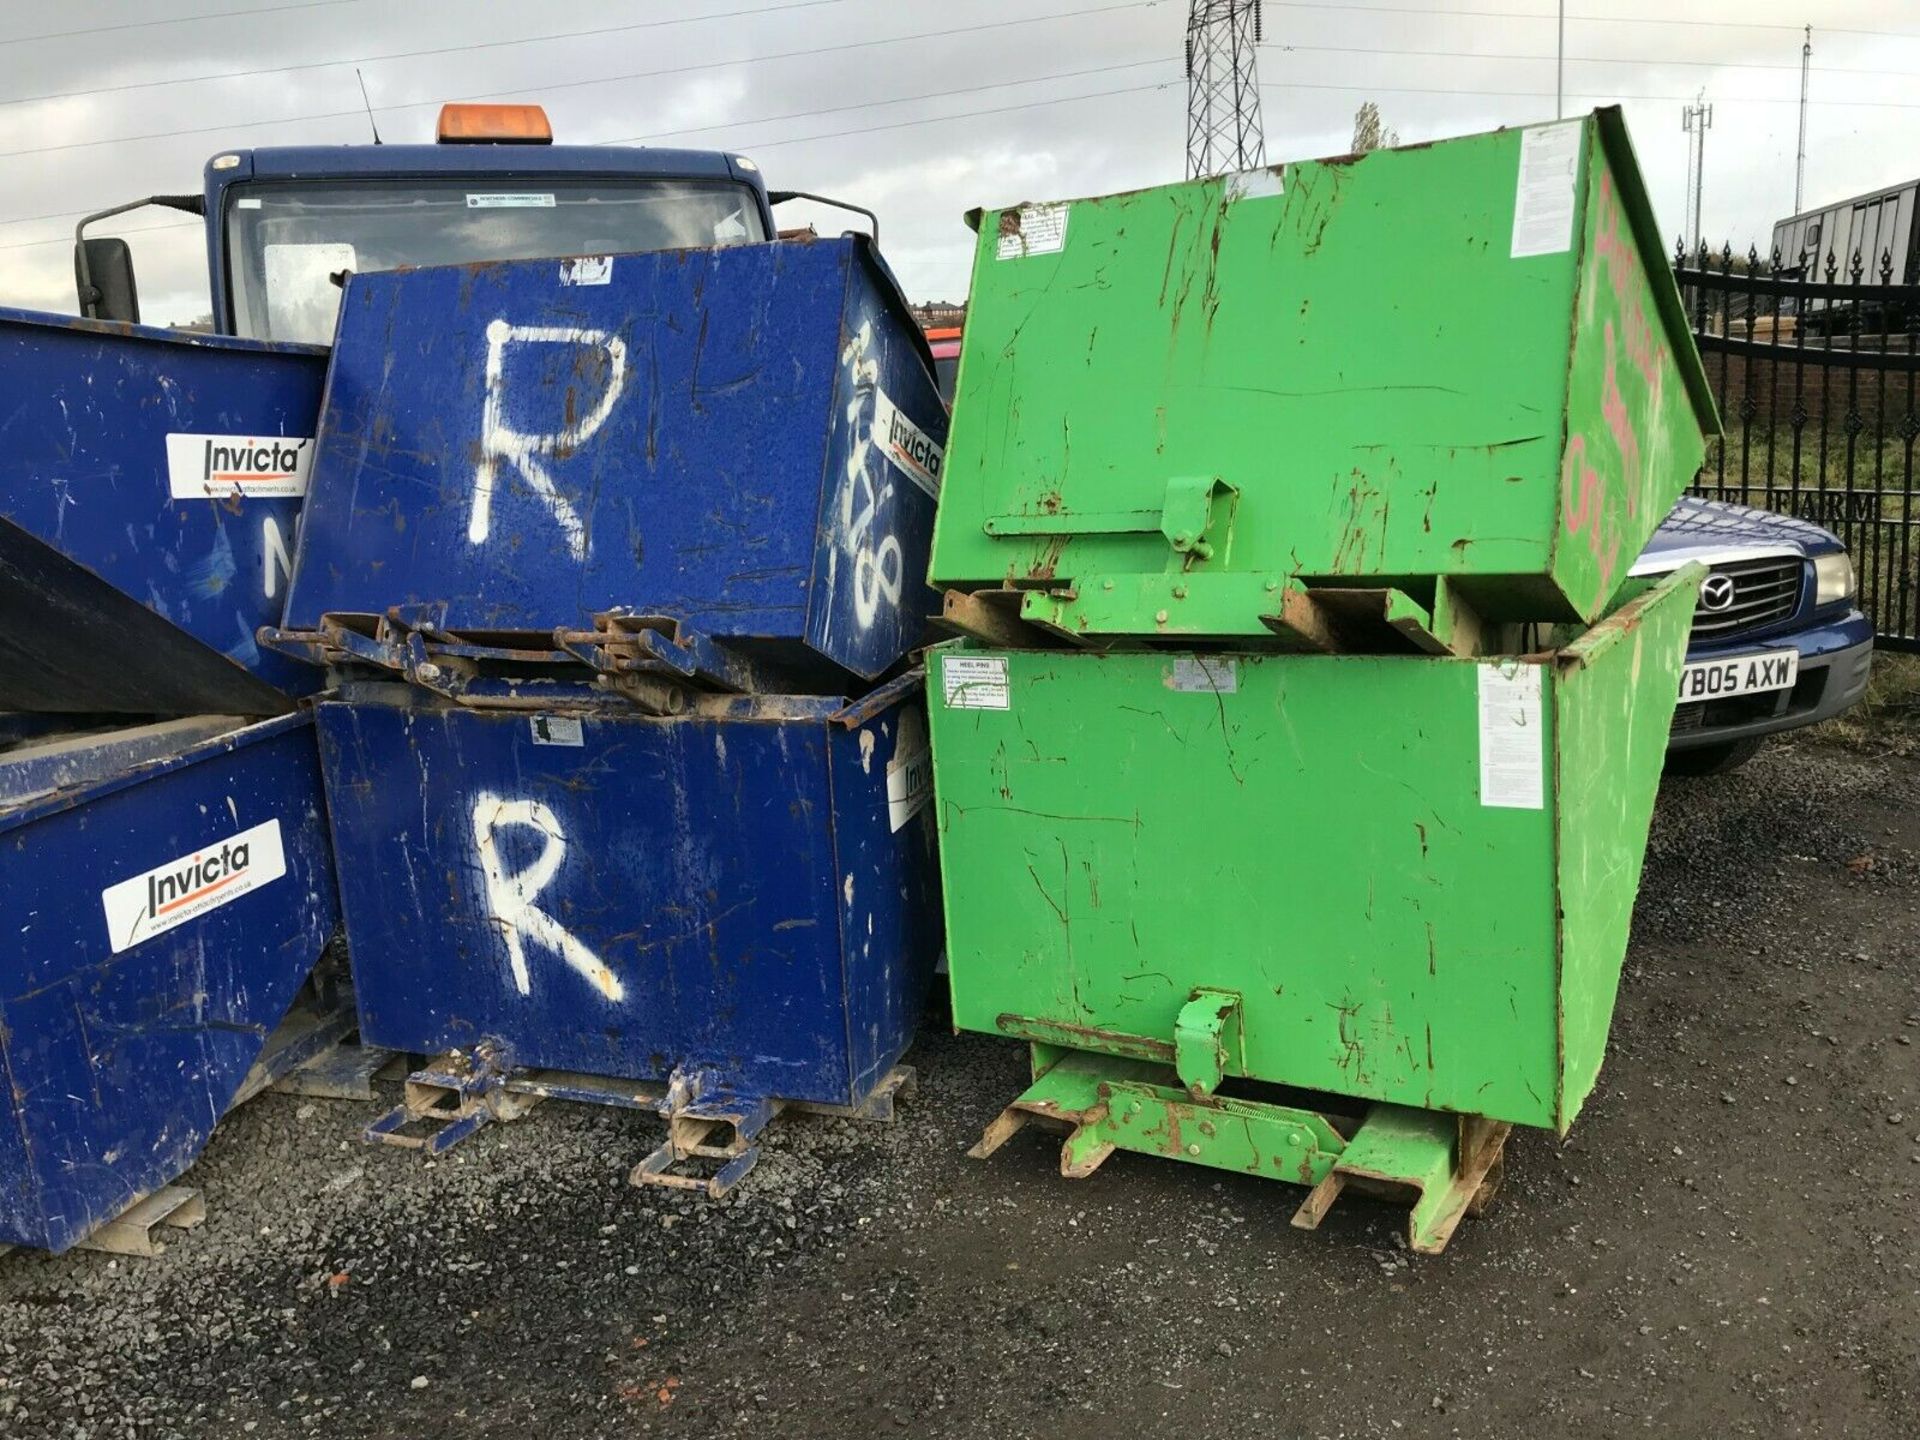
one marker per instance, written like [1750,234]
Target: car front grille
[1764,591]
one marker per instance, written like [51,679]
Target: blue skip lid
[732,453]
[165,892]
[743,899]
[150,483]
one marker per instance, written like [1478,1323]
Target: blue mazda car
[1778,641]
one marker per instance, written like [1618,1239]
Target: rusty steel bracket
[727,1138]
[1377,619]
[727,1128]
[461,1093]
[422,616]
[451,1098]
[334,642]
[309,646]
[906,683]
[990,616]
[643,656]
[1449,1165]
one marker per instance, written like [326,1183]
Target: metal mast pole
[1223,87]
[1560,67]
[1800,157]
[1696,119]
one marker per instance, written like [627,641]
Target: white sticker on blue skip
[910,772]
[912,451]
[909,786]
[183,889]
[587,270]
[556,730]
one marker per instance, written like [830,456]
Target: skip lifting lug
[1194,506]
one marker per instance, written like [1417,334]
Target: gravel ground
[1726,1245]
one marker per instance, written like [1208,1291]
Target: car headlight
[1832,578]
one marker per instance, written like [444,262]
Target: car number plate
[1739,675]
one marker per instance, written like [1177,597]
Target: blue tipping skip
[746,441]
[743,902]
[150,482]
[161,907]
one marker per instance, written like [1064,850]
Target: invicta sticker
[187,888]
[912,451]
[910,772]
[222,467]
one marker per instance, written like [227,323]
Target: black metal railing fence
[1815,366]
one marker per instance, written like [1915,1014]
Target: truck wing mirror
[103,274]
[103,269]
[781,197]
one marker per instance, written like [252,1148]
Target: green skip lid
[1466,360]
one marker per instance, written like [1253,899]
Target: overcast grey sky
[1033,100]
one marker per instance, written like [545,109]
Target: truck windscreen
[288,240]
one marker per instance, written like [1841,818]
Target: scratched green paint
[1613,742]
[1314,842]
[1393,396]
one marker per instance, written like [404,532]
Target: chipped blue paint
[245,650]
[105,573]
[743,440]
[126,1031]
[723,900]
[213,572]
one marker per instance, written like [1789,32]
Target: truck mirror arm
[781,197]
[89,293]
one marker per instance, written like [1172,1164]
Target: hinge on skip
[652,658]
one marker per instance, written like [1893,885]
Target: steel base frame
[1449,1164]
[458,1094]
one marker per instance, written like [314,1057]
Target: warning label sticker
[1512,738]
[975,682]
[250,467]
[185,889]
[1207,674]
[1543,199]
[1032,230]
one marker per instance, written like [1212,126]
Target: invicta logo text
[185,889]
[247,467]
[912,445]
[200,876]
[244,460]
